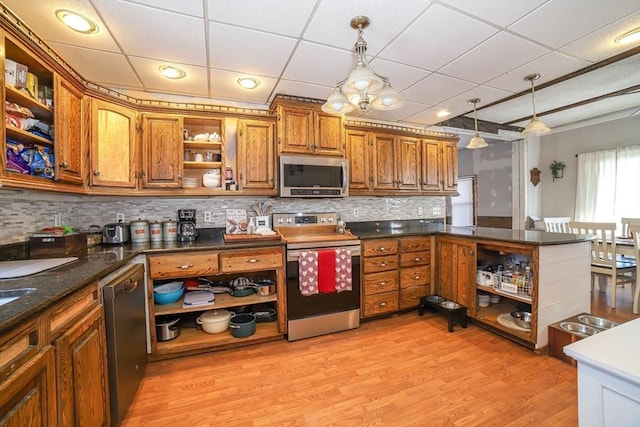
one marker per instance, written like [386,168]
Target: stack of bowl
[484,300]
[168,293]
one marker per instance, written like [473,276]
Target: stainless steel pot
[167,328]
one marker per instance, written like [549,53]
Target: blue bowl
[168,297]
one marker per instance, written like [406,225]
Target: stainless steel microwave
[313,176]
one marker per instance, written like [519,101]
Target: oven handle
[293,254]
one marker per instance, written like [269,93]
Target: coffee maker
[187,231]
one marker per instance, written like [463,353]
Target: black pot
[243,325]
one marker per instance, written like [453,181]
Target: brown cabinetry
[439,166]
[415,270]
[266,262]
[114,148]
[256,160]
[358,155]
[304,129]
[457,271]
[71,149]
[203,151]
[161,151]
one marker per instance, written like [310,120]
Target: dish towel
[324,271]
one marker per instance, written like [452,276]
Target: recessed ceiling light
[443,113]
[172,72]
[248,82]
[629,36]
[77,22]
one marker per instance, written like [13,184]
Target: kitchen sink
[579,329]
[596,322]
[9,295]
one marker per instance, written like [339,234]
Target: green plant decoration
[557,169]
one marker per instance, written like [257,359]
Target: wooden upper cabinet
[408,164]
[358,153]
[450,166]
[384,161]
[113,145]
[304,129]
[71,149]
[256,161]
[161,151]
[431,165]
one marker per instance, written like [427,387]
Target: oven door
[300,306]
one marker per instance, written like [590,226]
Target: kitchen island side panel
[564,285]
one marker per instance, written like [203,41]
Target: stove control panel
[301,219]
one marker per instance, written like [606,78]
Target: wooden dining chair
[557,224]
[605,262]
[625,225]
[634,231]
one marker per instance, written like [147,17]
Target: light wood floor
[400,371]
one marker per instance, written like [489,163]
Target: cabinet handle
[382,264]
[382,304]
[416,259]
[471,252]
[382,283]
[96,173]
[252,261]
[383,249]
[63,165]
[416,277]
[185,266]
[179,176]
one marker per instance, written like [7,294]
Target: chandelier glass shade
[477,141]
[535,127]
[363,88]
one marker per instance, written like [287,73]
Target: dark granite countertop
[53,285]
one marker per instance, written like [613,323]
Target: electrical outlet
[420,212]
[356,212]
[207,216]
[57,220]
[437,210]
[119,217]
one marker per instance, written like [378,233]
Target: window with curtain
[608,185]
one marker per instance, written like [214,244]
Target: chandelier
[477,141]
[363,87]
[535,126]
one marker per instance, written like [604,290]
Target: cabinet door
[329,136]
[384,161]
[70,148]
[256,155]
[431,165]
[408,166]
[81,367]
[28,396]
[295,130]
[162,151]
[450,166]
[359,162]
[113,145]
[456,271]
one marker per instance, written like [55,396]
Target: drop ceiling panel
[486,94]
[195,82]
[248,51]
[224,85]
[193,8]
[318,64]
[489,60]
[400,76]
[429,116]
[436,88]
[408,109]
[293,88]
[437,37]
[499,12]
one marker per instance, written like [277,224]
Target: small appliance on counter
[116,233]
[187,231]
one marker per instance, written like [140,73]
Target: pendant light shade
[363,87]
[535,126]
[477,141]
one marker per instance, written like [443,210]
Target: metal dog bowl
[434,298]
[450,305]
[579,329]
[596,322]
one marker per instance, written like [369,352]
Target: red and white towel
[324,271]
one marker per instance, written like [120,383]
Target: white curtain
[608,186]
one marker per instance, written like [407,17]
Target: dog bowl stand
[457,314]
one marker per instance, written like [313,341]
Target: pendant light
[477,141]
[363,88]
[535,126]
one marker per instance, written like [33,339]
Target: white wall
[558,198]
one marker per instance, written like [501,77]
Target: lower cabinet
[457,271]
[218,267]
[396,274]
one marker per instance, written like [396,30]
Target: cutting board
[27,267]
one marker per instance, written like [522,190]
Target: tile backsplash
[24,211]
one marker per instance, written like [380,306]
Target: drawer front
[66,312]
[410,297]
[380,304]
[413,244]
[379,247]
[380,263]
[19,345]
[183,265]
[410,259]
[260,259]
[415,276]
[376,283]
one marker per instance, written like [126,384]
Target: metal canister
[140,231]
[155,228]
[170,231]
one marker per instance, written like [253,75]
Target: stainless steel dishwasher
[124,300]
